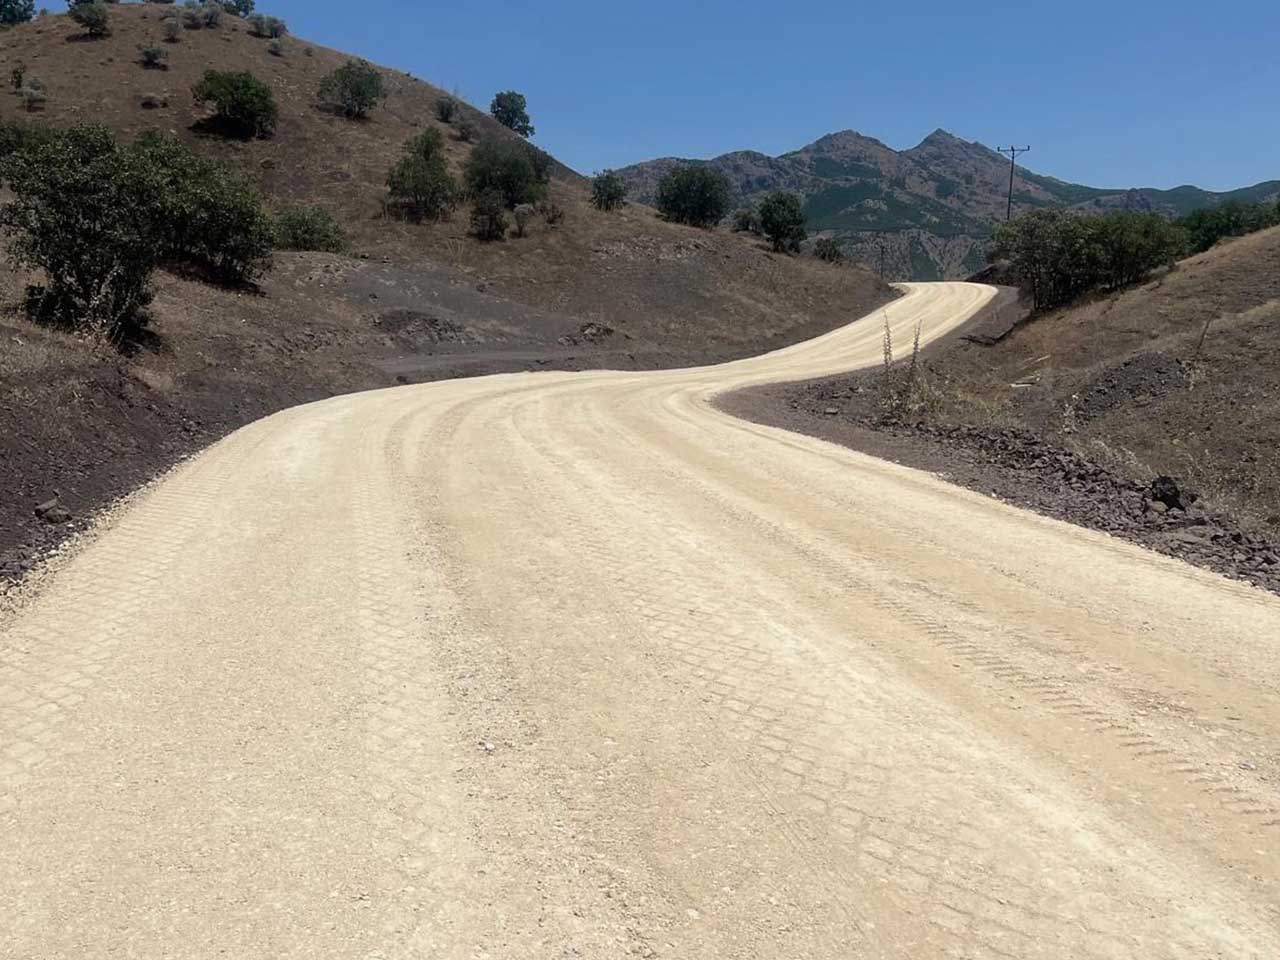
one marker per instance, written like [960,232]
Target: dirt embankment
[1078,413]
[86,426]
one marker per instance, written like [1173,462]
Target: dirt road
[575,665]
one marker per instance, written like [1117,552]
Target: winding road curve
[575,665]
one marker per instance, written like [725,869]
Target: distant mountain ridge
[928,211]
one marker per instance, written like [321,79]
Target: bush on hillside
[308,228]
[695,194]
[552,213]
[275,48]
[155,58]
[828,250]
[13,12]
[212,219]
[172,30]
[608,191]
[238,8]
[93,17]
[523,215]
[197,16]
[446,109]
[512,111]
[746,221]
[1058,256]
[782,221]
[269,28]
[466,132]
[1208,226]
[17,75]
[33,96]
[98,218]
[489,215]
[517,171]
[353,89]
[420,185]
[244,104]
[83,212]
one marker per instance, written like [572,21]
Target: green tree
[489,216]
[608,190]
[512,110]
[238,8]
[517,171]
[211,218]
[695,194]
[93,17]
[16,11]
[308,228]
[782,219]
[353,89]
[420,185]
[245,105]
[84,213]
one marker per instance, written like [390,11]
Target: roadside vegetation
[97,218]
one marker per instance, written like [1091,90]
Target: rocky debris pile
[589,332]
[1162,514]
[1135,382]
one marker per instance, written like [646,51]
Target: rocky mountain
[926,213]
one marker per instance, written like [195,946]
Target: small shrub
[270,28]
[466,132]
[782,220]
[33,96]
[308,228]
[828,250]
[697,195]
[238,8]
[275,48]
[446,109]
[13,12]
[746,221]
[16,76]
[512,111]
[489,215]
[608,191]
[93,17]
[155,58]
[552,213]
[419,185]
[198,16]
[516,170]
[353,89]
[523,214]
[244,104]
[172,30]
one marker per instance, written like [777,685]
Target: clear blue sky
[1122,93]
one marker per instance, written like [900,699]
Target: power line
[1013,159]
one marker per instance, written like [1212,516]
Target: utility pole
[1013,159]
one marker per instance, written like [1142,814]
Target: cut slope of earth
[930,209]
[410,303]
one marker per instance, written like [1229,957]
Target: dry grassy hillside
[631,270]
[409,303]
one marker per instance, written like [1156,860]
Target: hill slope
[930,208]
[410,302]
